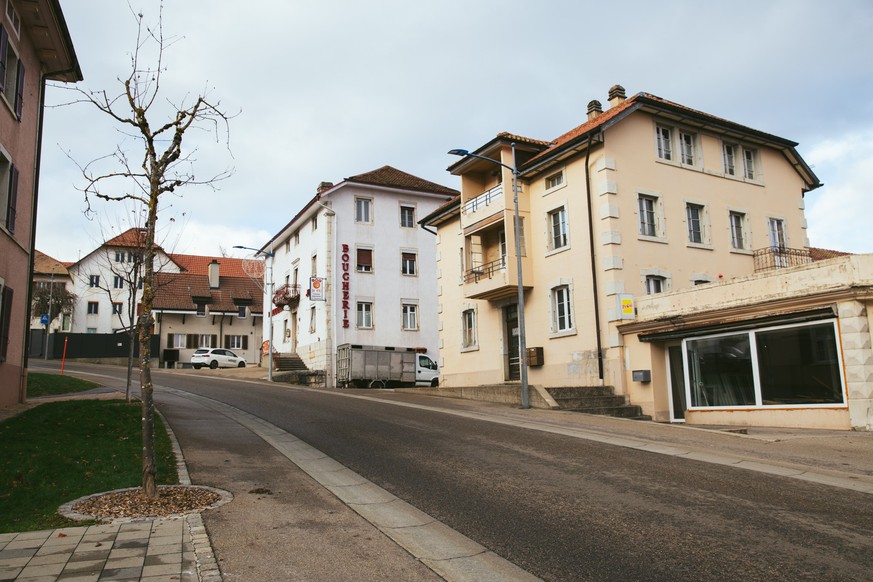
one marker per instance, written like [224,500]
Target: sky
[321,91]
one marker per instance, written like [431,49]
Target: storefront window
[778,366]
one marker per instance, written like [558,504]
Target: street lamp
[270,299]
[522,340]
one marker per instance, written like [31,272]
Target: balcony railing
[780,258]
[485,270]
[286,295]
[483,200]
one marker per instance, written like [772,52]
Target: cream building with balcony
[645,197]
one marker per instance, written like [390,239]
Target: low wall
[500,393]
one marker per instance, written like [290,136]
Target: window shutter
[213,341]
[5,316]
[227,342]
[191,341]
[19,91]
[365,257]
[170,341]
[4,51]
[245,342]
[13,198]
[408,256]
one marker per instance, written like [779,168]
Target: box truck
[384,367]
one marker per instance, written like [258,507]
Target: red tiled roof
[394,178]
[199,265]
[817,254]
[130,238]
[178,290]
[46,265]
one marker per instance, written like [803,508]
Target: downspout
[593,260]
[330,363]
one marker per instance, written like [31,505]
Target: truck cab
[426,371]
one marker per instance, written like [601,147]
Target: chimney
[324,186]
[617,95]
[594,109]
[213,274]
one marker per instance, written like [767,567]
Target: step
[580,391]
[590,401]
[626,411]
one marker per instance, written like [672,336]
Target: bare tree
[51,298]
[160,167]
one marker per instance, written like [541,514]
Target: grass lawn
[60,451]
[39,384]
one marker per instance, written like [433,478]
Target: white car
[216,358]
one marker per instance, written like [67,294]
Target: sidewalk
[289,495]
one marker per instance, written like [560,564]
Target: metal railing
[483,200]
[286,295]
[485,270]
[771,258]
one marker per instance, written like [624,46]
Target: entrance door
[512,342]
[677,383]
[294,326]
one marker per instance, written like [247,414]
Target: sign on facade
[316,289]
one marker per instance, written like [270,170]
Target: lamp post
[270,299]
[522,340]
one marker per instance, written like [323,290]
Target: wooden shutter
[227,342]
[191,340]
[13,198]
[4,52]
[5,316]
[19,91]
[170,341]
[245,342]
[213,341]
[365,257]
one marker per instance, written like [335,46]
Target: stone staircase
[600,400]
[288,362]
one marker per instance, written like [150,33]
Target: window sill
[702,246]
[560,334]
[742,252]
[470,349]
[555,189]
[557,251]
[654,239]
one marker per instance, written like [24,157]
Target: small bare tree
[160,167]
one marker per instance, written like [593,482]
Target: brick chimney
[617,95]
[213,274]
[594,109]
[324,186]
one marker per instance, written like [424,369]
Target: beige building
[785,347]
[645,197]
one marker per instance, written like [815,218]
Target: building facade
[35,46]
[645,197]
[49,273]
[353,266]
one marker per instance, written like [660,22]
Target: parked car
[216,358]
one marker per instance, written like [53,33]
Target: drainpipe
[330,363]
[593,260]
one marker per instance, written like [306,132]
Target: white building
[374,264]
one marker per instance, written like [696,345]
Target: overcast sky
[329,89]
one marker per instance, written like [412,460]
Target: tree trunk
[149,470]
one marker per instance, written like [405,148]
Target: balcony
[771,258]
[483,206]
[287,296]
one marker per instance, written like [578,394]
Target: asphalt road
[569,509]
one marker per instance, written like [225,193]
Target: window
[362,210]
[364,315]
[313,267]
[410,317]
[288,245]
[92,308]
[119,256]
[750,170]
[407,216]
[117,308]
[201,310]
[11,74]
[296,237]
[312,319]
[118,282]
[314,223]
[793,365]
[91,330]
[8,192]
[13,17]
[777,233]
[655,284]
[557,228]
[468,320]
[694,216]
[241,311]
[648,214]
[93,280]
[562,319]
[555,180]
[407,263]
[204,340]
[236,342]
[738,230]
[364,260]
[5,317]
[730,155]
[177,341]
[665,144]
[687,142]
